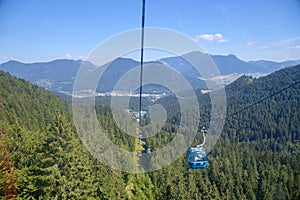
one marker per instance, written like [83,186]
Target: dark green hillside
[26,104]
[257,156]
[265,135]
[41,156]
[276,117]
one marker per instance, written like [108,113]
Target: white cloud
[264,47]
[69,56]
[249,44]
[211,37]
[286,41]
[223,40]
[4,58]
[296,47]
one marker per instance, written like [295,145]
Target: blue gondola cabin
[197,158]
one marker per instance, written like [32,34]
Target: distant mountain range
[59,75]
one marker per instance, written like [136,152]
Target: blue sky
[43,30]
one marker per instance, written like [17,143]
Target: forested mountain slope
[267,128]
[257,157]
[273,103]
[41,156]
[258,154]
